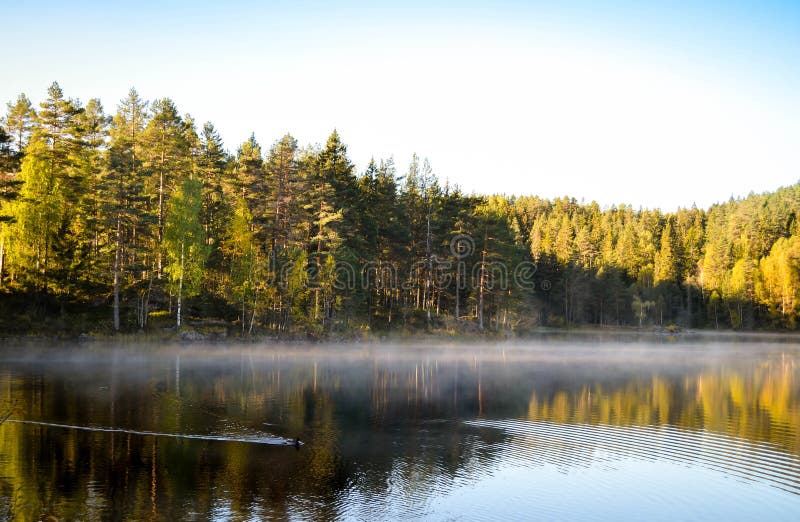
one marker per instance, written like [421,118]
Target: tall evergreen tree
[124,200]
[212,164]
[167,158]
[20,122]
[89,169]
[667,259]
[282,186]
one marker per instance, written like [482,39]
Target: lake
[588,427]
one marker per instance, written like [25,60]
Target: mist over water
[587,427]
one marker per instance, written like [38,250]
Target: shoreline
[190,336]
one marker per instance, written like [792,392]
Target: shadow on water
[389,432]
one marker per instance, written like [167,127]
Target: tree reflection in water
[405,423]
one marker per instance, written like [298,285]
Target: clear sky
[660,104]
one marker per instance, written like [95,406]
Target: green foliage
[140,215]
[19,123]
[212,163]
[39,214]
[185,240]
[243,257]
[780,279]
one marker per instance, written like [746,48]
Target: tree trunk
[2,258]
[146,302]
[428,300]
[253,315]
[180,290]
[161,216]
[319,264]
[481,287]
[458,292]
[117,256]
[244,301]
[689,304]
[45,261]
[741,314]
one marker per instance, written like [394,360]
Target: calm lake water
[564,428]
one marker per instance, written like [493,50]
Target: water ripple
[249,438]
[582,444]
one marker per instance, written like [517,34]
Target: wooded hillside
[109,222]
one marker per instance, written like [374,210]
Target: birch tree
[185,243]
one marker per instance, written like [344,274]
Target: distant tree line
[112,222]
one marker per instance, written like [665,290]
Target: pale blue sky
[620,102]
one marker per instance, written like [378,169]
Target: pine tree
[90,165]
[666,265]
[385,236]
[8,166]
[282,212]
[421,199]
[9,188]
[325,231]
[57,126]
[337,171]
[211,165]
[282,185]
[563,247]
[249,176]
[123,201]
[167,158]
[20,123]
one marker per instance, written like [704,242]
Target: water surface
[563,428]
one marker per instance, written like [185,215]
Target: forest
[144,221]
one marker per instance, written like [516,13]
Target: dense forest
[143,220]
